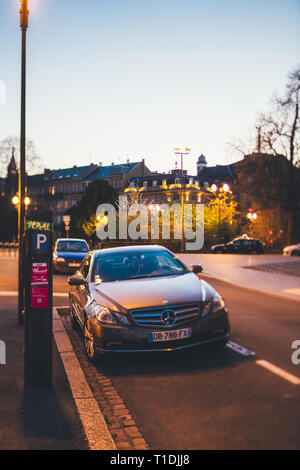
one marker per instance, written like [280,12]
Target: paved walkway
[266,273]
[43,419]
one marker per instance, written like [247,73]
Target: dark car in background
[240,245]
[68,254]
[144,299]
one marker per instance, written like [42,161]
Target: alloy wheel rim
[88,340]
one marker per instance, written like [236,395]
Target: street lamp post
[182,152]
[24,12]
[214,189]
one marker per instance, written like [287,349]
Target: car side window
[85,267]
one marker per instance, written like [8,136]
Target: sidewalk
[264,273]
[38,419]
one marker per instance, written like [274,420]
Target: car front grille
[153,316]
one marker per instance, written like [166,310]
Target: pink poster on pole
[39,297]
[39,285]
[39,274]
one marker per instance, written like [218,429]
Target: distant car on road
[144,299]
[292,250]
[68,254]
[240,245]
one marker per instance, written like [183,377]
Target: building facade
[61,189]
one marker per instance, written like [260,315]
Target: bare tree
[33,160]
[277,131]
[280,130]
[237,147]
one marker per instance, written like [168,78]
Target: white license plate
[172,335]
[74,265]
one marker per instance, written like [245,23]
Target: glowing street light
[15,200]
[251,215]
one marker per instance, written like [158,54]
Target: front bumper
[210,329]
[63,266]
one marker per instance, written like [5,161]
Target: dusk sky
[115,79]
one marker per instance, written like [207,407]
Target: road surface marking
[261,362]
[295,291]
[240,349]
[93,422]
[280,372]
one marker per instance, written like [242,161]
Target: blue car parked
[68,254]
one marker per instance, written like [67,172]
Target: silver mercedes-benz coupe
[144,299]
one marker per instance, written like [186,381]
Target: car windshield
[124,266]
[72,246]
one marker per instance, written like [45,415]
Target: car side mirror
[76,280]
[197,268]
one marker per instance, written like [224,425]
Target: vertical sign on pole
[38,302]
[67,220]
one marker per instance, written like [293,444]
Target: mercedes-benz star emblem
[168,317]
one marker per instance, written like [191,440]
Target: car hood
[68,255]
[152,292]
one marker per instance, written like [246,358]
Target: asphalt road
[197,400]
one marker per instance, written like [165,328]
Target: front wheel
[295,253]
[89,342]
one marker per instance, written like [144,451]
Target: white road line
[240,349]
[280,372]
[261,362]
[94,425]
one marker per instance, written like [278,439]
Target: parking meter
[38,305]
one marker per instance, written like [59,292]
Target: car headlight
[104,315]
[60,260]
[122,318]
[214,305]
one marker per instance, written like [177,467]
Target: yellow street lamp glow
[102,218]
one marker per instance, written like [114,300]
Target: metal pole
[22,170]
[182,227]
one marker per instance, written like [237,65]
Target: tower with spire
[201,164]
[11,187]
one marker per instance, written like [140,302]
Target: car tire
[295,253]
[89,342]
[218,251]
[254,252]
